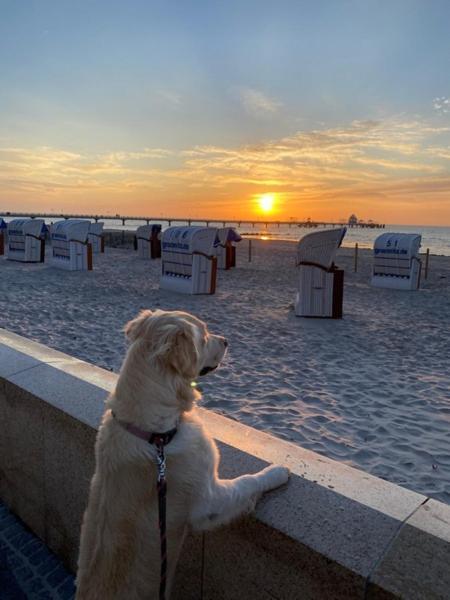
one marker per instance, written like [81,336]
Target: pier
[190,221]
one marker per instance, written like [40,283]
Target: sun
[266,202]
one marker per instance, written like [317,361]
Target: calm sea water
[437,239]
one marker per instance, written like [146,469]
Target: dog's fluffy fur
[120,546]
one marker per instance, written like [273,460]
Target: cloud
[257,103]
[441,105]
[169,97]
[365,159]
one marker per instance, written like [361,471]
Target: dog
[119,554]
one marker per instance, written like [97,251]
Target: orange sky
[333,107]
[391,171]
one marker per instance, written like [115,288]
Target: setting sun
[266,202]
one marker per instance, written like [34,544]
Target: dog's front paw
[276,476]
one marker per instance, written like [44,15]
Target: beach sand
[371,390]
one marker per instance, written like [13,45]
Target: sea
[436,239]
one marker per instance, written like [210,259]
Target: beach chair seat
[321,283]
[396,262]
[189,263]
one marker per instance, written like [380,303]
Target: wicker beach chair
[320,289]
[226,247]
[71,249]
[148,241]
[96,238]
[396,261]
[189,262]
[26,241]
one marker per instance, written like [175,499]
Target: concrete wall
[333,532]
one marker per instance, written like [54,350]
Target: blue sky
[92,79]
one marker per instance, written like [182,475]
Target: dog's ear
[136,327]
[183,355]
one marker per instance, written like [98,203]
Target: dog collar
[159,439]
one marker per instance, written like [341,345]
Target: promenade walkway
[28,570]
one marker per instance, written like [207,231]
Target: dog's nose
[225,342]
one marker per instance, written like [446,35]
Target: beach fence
[189,262]
[396,263]
[26,241]
[427,263]
[148,241]
[71,249]
[321,283]
[226,240]
[96,237]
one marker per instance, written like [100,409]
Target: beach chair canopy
[70,230]
[401,245]
[33,227]
[319,248]
[146,232]
[189,240]
[227,234]
[96,228]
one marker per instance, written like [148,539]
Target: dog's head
[176,342]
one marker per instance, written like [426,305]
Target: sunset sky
[197,108]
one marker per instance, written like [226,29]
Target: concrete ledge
[333,532]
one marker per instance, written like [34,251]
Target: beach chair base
[320,293]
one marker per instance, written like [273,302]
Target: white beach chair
[148,241]
[95,237]
[396,261]
[26,240]
[71,249]
[321,284]
[226,247]
[189,264]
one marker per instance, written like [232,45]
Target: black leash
[159,440]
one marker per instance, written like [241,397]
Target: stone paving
[28,570]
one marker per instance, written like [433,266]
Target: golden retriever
[120,543]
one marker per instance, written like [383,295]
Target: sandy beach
[371,390]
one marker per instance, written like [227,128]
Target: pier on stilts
[197,221]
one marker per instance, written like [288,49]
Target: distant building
[352,220]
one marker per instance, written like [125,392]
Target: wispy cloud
[376,160]
[170,97]
[257,103]
[442,105]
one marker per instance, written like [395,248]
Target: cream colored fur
[120,547]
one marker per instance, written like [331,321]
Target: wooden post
[249,250]
[427,258]
[356,257]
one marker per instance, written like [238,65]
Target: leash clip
[161,459]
